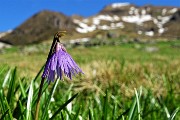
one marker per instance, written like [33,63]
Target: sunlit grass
[30,61]
[120,82]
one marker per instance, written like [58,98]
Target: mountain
[114,20]
[125,18]
[39,27]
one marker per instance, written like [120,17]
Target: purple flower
[60,63]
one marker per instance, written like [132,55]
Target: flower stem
[38,100]
[55,40]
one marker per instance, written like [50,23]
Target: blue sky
[15,12]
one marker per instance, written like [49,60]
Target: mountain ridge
[118,18]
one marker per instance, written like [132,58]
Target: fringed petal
[53,62]
[59,73]
[60,62]
[51,76]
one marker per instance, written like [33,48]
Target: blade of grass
[63,106]
[114,108]
[62,116]
[174,114]
[22,89]
[29,102]
[22,110]
[4,115]
[138,105]
[105,107]
[68,115]
[5,81]
[132,109]
[164,107]
[124,113]
[69,106]
[10,93]
[9,111]
[90,114]
[122,118]
[49,99]
[2,104]
[166,111]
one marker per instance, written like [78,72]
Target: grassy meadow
[126,81]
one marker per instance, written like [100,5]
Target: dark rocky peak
[176,16]
[39,27]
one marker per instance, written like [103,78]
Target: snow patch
[96,20]
[85,20]
[138,19]
[160,21]
[4,45]
[173,10]
[117,25]
[116,18]
[79,40]
[76,21]
[83,25]
[120,24]
[164,11]
[104,27]
[112,26]
[2,34]
[139,32]
[117,5]
[164,19]
[149,33]
[155,21]
[143,12]
[131,10]
[136,11]
[85,28]
[104,17]
[161,30]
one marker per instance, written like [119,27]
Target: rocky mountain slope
[146,20]
[112,21]
[39,27]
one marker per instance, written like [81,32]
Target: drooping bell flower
[59,63]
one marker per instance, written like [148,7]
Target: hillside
[112,21]
[39,27]
[147,21]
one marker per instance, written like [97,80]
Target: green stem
[55,40]
[38,100]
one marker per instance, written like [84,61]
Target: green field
[125,81]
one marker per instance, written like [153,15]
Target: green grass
[120,82]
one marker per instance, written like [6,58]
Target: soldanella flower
[59,63]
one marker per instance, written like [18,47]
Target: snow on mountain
[173,10]
[113,20]
[2,34]
[117,5]
[150,19]
[138,19]
[2,44]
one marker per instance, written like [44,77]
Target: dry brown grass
[111,74]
